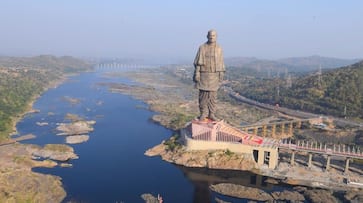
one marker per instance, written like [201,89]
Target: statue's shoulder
[218,46]
[203,46]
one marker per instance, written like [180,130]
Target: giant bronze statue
[208,75]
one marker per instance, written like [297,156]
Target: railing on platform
[314,147]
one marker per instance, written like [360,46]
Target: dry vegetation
[176,101]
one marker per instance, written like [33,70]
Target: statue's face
[212,37]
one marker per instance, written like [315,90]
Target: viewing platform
[219,135]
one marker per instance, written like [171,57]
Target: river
[112,166]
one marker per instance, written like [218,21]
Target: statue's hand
[221,76]
[196,77]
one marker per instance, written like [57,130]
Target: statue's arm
[221,76]
[223,69]
[197,65]
[196,77]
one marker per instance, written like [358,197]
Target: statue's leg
[203,104]
[212,103]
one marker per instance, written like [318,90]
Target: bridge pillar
[292,161]
[298,124]
[310,162]
[273,130]
[346,169]
[282,129]
[327,167]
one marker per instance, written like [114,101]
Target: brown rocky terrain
[173,152]
[176,103]
[20,184]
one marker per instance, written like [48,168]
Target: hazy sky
[174,29]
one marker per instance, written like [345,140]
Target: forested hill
[293,64]
[63,64]
[22,79]
[336,92]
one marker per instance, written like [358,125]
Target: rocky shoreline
[21,184]
[172,151]
[306,183]
[18,182]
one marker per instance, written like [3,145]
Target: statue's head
[212,36]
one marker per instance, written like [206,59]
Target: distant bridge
[122,66]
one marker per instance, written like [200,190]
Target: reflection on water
[202,178]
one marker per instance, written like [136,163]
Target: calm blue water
[112,166]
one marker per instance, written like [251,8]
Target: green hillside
[23,79]
[336,92]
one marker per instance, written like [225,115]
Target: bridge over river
[332,150]
[122,66]
[266,150]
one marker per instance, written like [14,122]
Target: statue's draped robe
[210,60]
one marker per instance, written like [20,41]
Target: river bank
[24,81]
[29,107]
[19,182]
[112,166]
[176,104]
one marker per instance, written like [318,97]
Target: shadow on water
[203,178]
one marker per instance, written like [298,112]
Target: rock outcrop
[76,139]
[75,128]
[217,159]
[240,191]
[19,183]
[149,198]
[56,152]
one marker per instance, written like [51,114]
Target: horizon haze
[172,31]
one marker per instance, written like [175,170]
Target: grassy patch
[228,152]
[180,120]
[172,144]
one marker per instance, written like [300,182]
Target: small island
[24,79]
[177,110]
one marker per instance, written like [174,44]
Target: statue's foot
[213,118]
[203,118]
